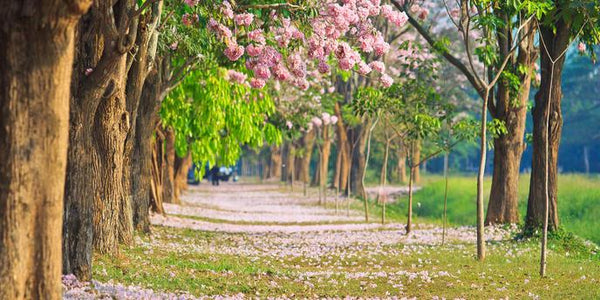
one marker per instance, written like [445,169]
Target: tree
[36,56]
[565,22]
[560,25]
[503,29]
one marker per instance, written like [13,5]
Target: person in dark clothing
[214,175]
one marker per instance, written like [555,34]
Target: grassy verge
[176,260]
[579,202]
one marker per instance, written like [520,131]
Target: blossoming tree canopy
[282,41]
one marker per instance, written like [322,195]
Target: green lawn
[579,202]
[180,260]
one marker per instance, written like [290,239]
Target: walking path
[268,223]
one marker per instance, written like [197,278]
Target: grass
[155,265]
[578,202]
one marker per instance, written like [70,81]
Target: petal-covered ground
[264,241]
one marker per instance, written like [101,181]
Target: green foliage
[212,117]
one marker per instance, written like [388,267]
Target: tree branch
[269,6]
[447,55]
[136,12]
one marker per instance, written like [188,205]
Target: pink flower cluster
[191,3]
[234,51]
[244,19]
[235,76]
[394,16]
[350,19]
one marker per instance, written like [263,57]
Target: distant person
[214,175]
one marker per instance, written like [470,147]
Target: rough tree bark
[182,166]
[343,146]
[308,143]
[289,171]
[511,108]
[36,57]
[275,164]
[360,133]
[142,167]
[169,167]
[99,123]
[156,183]
[556,42]
[136,166]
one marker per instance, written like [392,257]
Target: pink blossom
[297,65]
[366,42]
[331,89]
[363,68]
[289,124]
[261,71]
[377,66]
[415,8]
[191,3]
[386,80]
[281,72]
[423,13]
[254,50]
[455,13]
[174,45]
[326,117]
[256,36]
[301,83]
[334,119]
[270,56]
[323,67]
[581,47]
[226,10]
[235,76]
[221,30]
[234,51]
[380,45]
[257,83]
[88,71]
[244,19]
[316,121]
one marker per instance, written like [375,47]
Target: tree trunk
[99,122]
[508,148]
[382,196]
[410,200]
[308,142]
[401,166]
[275,165]
[142,162]
[325,153]
[315,178]
[361,132]
[36,58]
[182,165]
[416,158]
[289,164]
[343,147]
[169,168]
[157,186]
[137,162]
[547,102]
